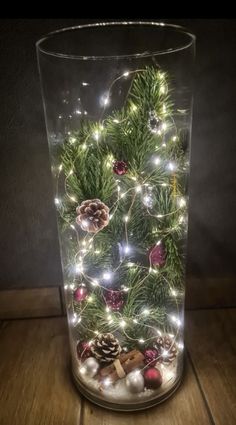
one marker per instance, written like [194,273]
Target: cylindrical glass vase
[118,104]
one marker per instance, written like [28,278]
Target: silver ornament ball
[90,367]
[135,381]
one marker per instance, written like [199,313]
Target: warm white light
[146,312]
[182,202]
[57,201]
[171,166]
[72,226]
[156,160]
[72,198]
[125,289]
[72,286]
[180,345]
[116,121]
[82,370]
[130,264]
[66,286]
[122,323]
[158,243]
[126,218]
[97,251]
[107,275]
[85,84]
[163,145]
[174,138]
[141,340]
[135,321]
[122,195]
[60,167]
[171,335]
[105,100]
[78,112]
[134,178]
[96,135]
[107,382]
[162,89]
[126,249]
[85,113]
[107,309]
[164,184]
[164,126]
[159,332]
[76,319]
[90,299]
[118,188]
[160,215]
[164,111]
[72,140]
[133,108]
[181,219]
[138,188]
[78,268]
[176,320]
[126,74]
[60,117]
[174,292]
[151,270]
[84,146]
[164,353]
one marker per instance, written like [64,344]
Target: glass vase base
[136,406]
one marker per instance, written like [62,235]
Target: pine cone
[166,344]
[105,348]
[93,215]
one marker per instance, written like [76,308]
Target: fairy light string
[141,190]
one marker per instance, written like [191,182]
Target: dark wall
[29,245]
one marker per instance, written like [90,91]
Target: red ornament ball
[80,294]
[152,378]
[151,356]
[157,255]
[120,167]
[83,350]
[114,299]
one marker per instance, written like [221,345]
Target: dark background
[29,244]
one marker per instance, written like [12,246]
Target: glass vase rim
[178,28]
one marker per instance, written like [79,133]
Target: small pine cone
[93,215]
[105,348]
[167,345]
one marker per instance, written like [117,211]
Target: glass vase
[118,104]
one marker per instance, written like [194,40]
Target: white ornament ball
[135,381]
[90,367]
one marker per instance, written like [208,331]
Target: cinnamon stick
[129,361]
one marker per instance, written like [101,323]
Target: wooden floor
[36,389]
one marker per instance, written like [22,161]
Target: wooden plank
[35,382]
[210,293]
[185,407]
[211,342]
[36,302]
